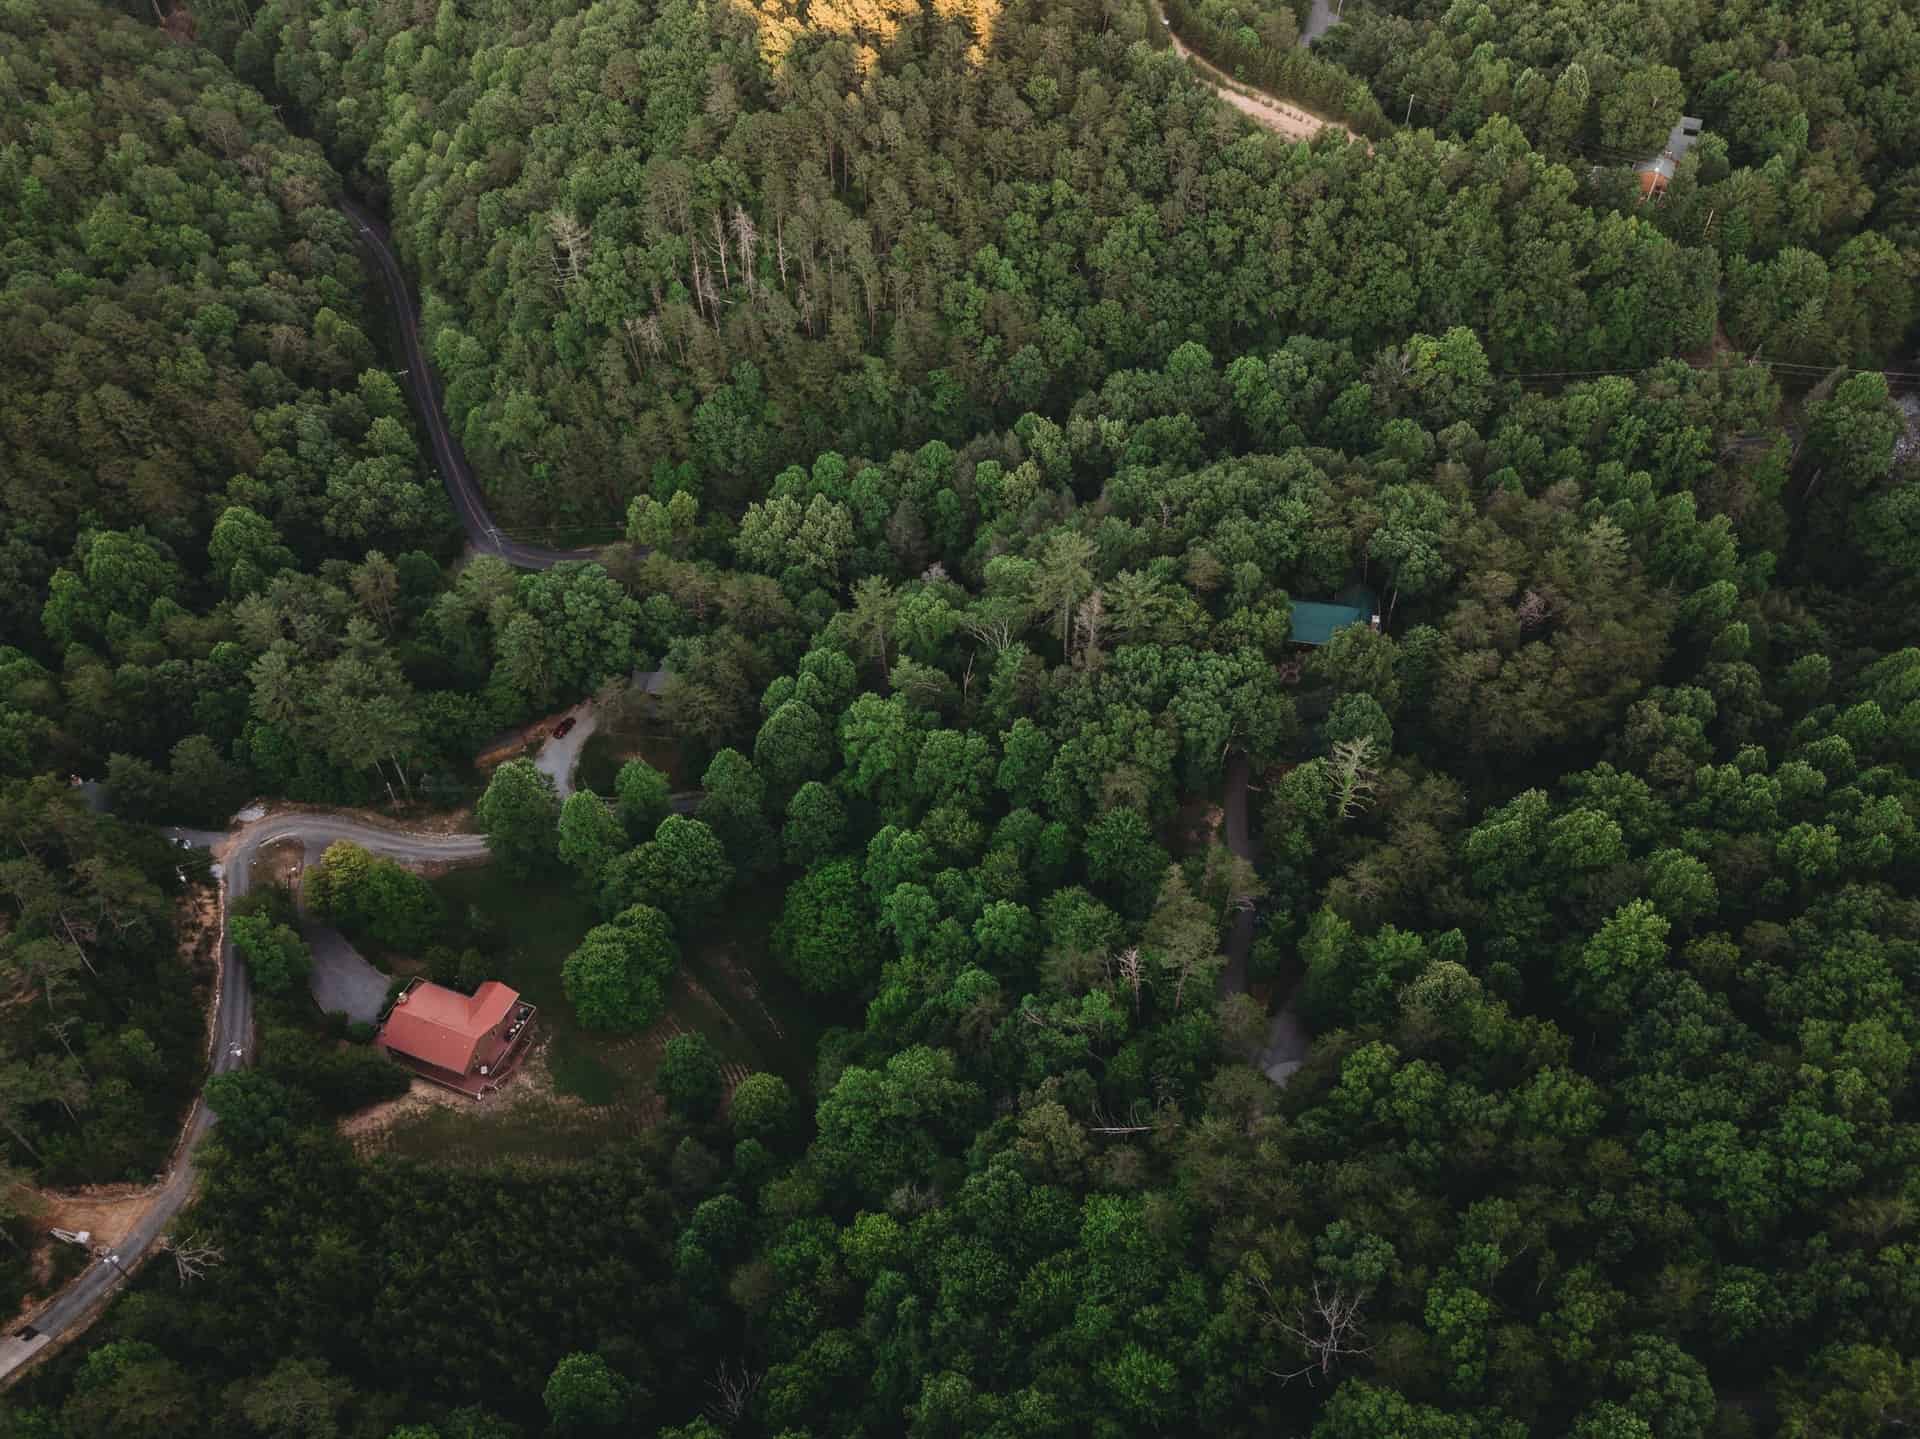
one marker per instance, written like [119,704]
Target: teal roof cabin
[1314,621]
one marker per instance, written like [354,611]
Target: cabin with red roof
[463,1042]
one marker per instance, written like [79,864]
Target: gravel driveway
[343,982]
[557,757]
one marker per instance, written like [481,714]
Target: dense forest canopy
[1805,182]
[971,404]
[710,233]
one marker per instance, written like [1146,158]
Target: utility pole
[1409,120]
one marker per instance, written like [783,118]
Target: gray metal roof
[1679,140]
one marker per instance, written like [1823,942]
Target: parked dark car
[560,730]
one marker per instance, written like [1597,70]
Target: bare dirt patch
[368,1127]
[196,923]
[280,864]
[439,821]
[527,1118]
[107,1210]
[1276,115]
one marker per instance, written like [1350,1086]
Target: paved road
[452,460]
[74,1307]
[558,757]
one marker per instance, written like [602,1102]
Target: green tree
[276,956]
[245,551]
[299,1398]
[645,798]
[253,1110]
[794,746]
[616,979]
[733,805]
[589,836]
[690,1077]
[883,1127]
[584,1394]
[363,893]
[816,824]
[762,1107]
[824,937]
[682,869]
[1123,861]
[129,1388]
[520,815]
[1062,579]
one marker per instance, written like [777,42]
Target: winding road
[462,488]
[1257,105]
[231,1041]
[77,1305]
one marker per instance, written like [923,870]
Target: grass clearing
[604,752]
[586,1088]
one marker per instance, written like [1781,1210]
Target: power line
[1756,362]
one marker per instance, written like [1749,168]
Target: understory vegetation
[971,406]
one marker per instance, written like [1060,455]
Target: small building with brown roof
[464,1042]
[1656,172]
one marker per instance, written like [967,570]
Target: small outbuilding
[1655,173]
[464,1042]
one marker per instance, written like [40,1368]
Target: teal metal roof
[1315,621]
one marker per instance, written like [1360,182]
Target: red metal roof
[442,1027]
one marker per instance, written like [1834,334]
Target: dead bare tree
[720,248]
[643,335]
[909,1199]
[1327,1330]
[1138,1120]
[59,1029]
[192,1256]
[571,237]
[1089,625]
[733,1386]
[995,632]
[1127,964]
[1353,776]
[746,239]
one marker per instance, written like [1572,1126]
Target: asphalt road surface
[447,454]
[74,1307]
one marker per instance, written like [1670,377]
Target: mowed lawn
[727,988]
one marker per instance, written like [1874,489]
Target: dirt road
[1275,115]
[1287,1039]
